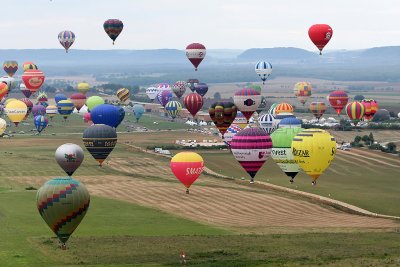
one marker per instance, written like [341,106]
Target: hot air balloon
[251,147]
[69,157]
[262,105]
[313,151]
[338,100]
[3,90]
[267,123]
[320,35]
[65,108]
[179,88]
[138,110]
[79,100]
[290,122]
[173,109]
[8,100]
[230,133]
[240,120]
[195,53]
[42,99]
[193,103]
[371,107]
[271,110]
[62,203]
[10,81]
[94,101]
[66,39]
[16,111]
[123,94]
[33,80]
[113,27]
[121,112]
[83,87]
[87,118]
[192,84]
[3,126]
[40,122]
[105,114]
[163,87]
[201,89]
[187,167]
[51,111]
[100,140]
[263,69]
[282,152]
[318,109]
[10,67]
[152,92]
[284,108]
[355,110]
[25,90]
[38,110]
[302,90]
[59,97]
[222,114]
[29,66]
[247,101]
[164,97]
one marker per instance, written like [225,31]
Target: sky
[218,24]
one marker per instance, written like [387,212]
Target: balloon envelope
[62,203]
[93,101]
[69,157]
[355,111]
[338,100]
[66,39]
[173,109]
[320,35]
[79,100]
[263,69]
[138,110]
[201,88]
[187,167]
[65,108]
[123,94]
[10,67]
[113,27]
[40,122]
[100,140]
[318,109]
[193,103]
[247,101]
[222,114]
[195,52]
[302,90]
[105,114]
[179,88]
[33,79]
[16,111]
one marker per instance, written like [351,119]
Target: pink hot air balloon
[87,118]
[251,147]
[195,53]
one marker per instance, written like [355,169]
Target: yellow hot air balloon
[3,126]
[314,150]
[83,87]
[16,111]
[9,100]
[123,94]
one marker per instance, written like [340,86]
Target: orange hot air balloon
[370,105]
[284,108]
[187,167]
[33,79]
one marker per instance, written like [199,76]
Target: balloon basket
[187,191]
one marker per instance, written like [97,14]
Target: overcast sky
[235,24]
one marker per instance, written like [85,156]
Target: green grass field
[116,233]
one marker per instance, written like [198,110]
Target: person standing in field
[183,257]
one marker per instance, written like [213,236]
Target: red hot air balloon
[195,53]
[193,102]
[187,167]
[320,35]
[79,100]
[222,114]
[3,90]
[251,147]
[338,100]
[371,107]
[33,79]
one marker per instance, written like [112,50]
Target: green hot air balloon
[281,150]
[100,140]
[62,203]
[93,101]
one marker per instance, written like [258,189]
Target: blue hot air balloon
[289,122]
[40,123]
[59,97]
[138,110]
[105,114]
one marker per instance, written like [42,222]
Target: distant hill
[280,54]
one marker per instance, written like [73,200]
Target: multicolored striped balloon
[10,67]
[33,79]
[99,140]
[284,108]
[62,203]
[251,147]
[371,107]
[193,103]
[173,109]
[51,111]
[318,109]
[338,100]
[247,101]
[164,97]
[66,39]
[222,114]
[113,27]
[65,108]
[355,110]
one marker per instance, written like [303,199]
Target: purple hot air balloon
[38,110]
[251,147]
[164,97]
[201,88]
[27,93]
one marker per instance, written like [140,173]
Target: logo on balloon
[35,81]
[249,102]
[301,153]
[70,157]
[327,36]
